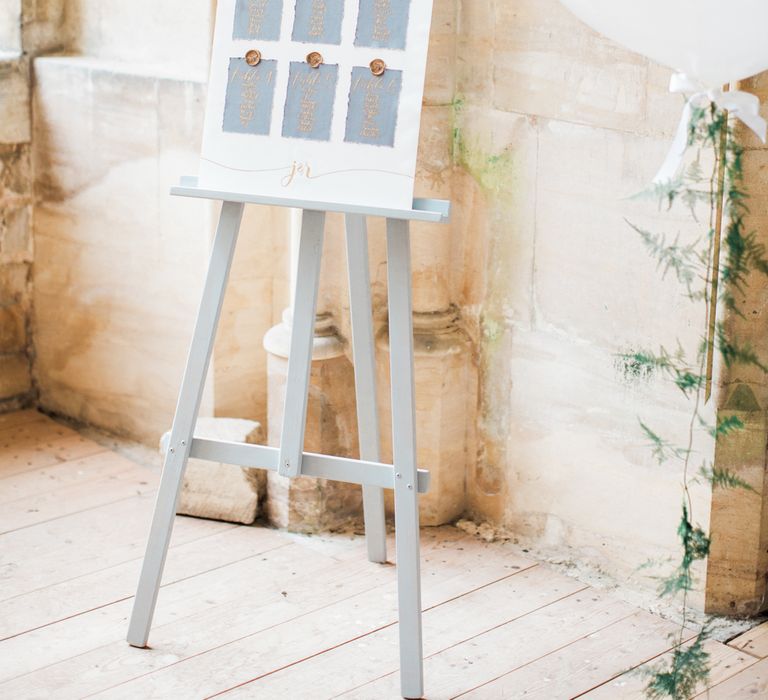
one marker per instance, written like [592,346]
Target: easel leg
[364,354]
[404,453]
[184,422]
[302,338]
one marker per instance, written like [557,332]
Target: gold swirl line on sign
[244,170]
[359,170]
[308,176]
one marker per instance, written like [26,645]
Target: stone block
[15,172]
[14,283]
[549,64]
[13,333]
[10,27]
[736,581]
[15,377]
[441,63]
[664,109]
[757,85]
[15,124]
[475,46]
[44,27]
[173,37]
[16,234]
[221,491]
[305,504]
[495,202]
[586,178]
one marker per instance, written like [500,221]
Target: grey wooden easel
[289,459]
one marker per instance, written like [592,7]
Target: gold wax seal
[315,59]
[378,66]
[253,57]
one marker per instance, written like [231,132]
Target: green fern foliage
[686,673]
[695,543]
[714,269]
[724,479]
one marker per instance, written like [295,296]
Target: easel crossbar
[351,471]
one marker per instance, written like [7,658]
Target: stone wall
[537,128]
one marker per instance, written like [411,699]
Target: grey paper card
[383,23]
[258,19]
[318,21]
[309,104]
[250,95]
[373,106]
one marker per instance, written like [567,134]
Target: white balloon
[712,41]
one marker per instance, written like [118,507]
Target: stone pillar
[16,387]
[444,407]
[445,372]
[737,573]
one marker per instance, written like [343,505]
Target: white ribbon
[742,105]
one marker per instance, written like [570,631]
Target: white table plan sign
[292,80]
[317,99]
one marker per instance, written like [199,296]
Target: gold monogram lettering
[296,170]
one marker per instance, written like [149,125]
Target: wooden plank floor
[255,613]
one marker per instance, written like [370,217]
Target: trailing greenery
[695,544]
[725,426]
[713,269]
[683,676]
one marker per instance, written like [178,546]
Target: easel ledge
[436,211]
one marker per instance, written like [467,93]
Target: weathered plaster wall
[539,131]
[555,129]
[120,264]
[117,266]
